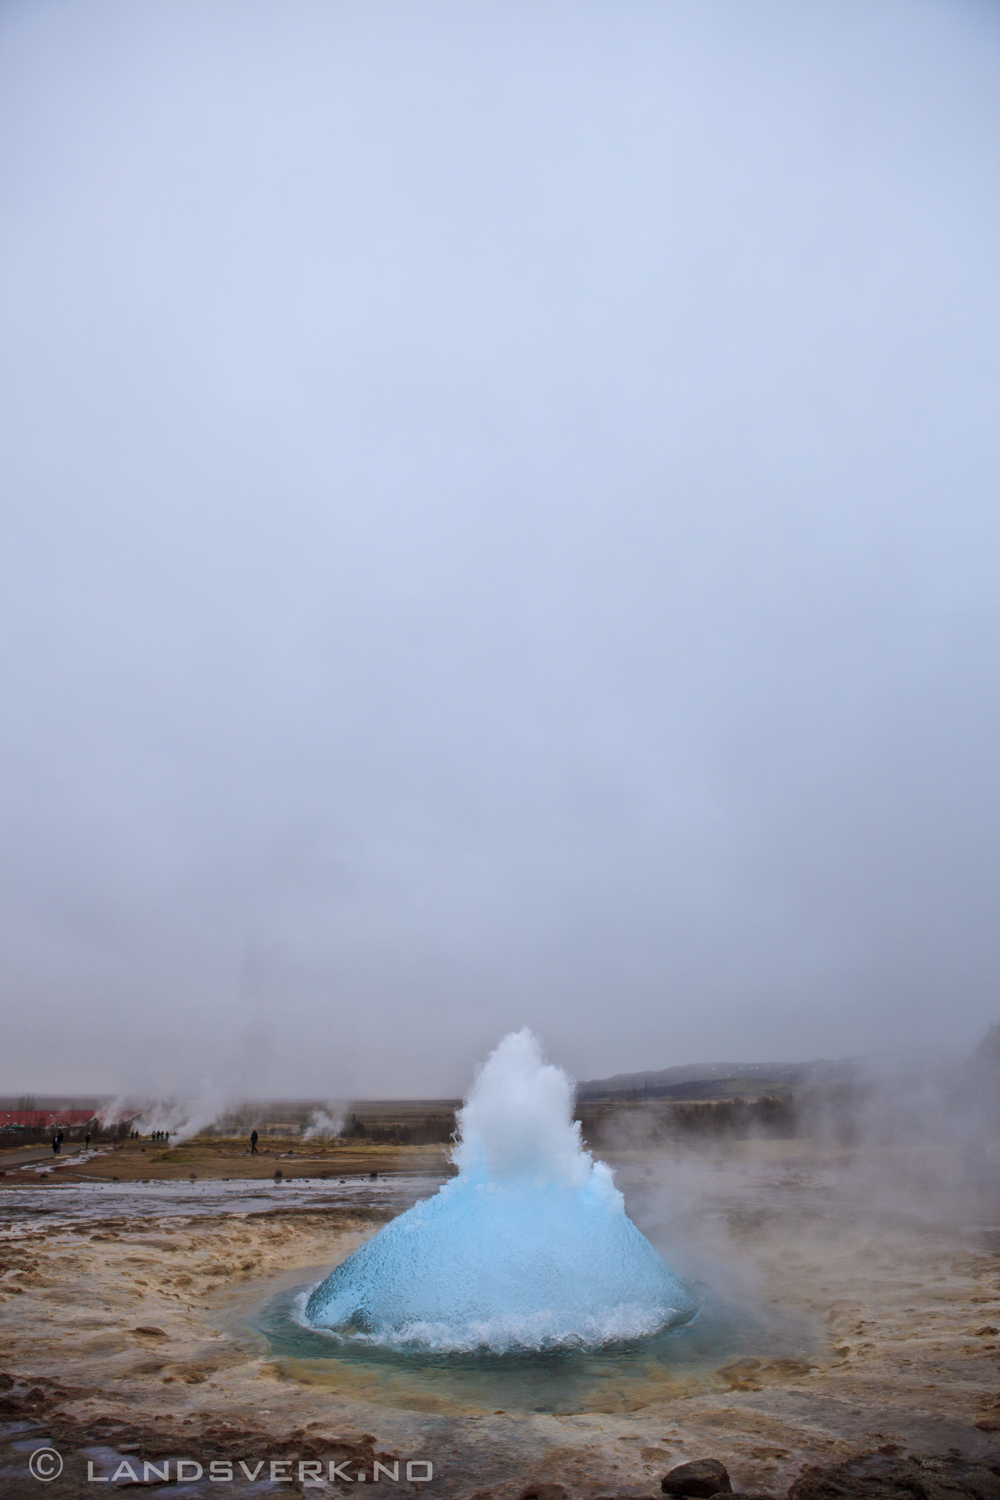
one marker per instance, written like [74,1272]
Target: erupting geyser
[528,1247]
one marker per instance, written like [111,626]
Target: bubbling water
[529,1247]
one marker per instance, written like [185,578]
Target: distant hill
[719,1080]
[699,1080]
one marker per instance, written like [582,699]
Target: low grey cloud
[499,529]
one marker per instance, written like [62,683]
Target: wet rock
[546,1490]
[741,1374]
[877,1476]
[701,1478]
[19,1402]
[989,1420]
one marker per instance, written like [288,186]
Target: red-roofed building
[45,1119]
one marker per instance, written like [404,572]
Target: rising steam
[324,1126]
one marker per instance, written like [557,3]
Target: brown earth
[213,1158]
[126,1337]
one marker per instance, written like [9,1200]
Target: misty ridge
[887,1099]
[843,1164]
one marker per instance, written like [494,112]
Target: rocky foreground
[128,1351]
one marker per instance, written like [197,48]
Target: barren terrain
[127,1294]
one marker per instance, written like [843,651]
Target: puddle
[80,1203]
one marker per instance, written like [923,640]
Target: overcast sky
[499,528]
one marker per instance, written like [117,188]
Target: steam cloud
[324,1126]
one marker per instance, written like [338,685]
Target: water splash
[529,1247]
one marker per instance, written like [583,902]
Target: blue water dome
[529,1247]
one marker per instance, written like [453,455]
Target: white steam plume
[324,1126]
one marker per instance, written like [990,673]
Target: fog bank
[499,529]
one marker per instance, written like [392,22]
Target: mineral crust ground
[127,1304]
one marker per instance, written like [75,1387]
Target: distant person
[55,1144]
[86,1141]
[254,1138]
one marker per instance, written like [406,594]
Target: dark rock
[878,1476]
[989,1420]
[546,1490]
[701,1478]
[20,1402]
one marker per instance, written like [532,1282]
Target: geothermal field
[520,1316]
[499,826]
